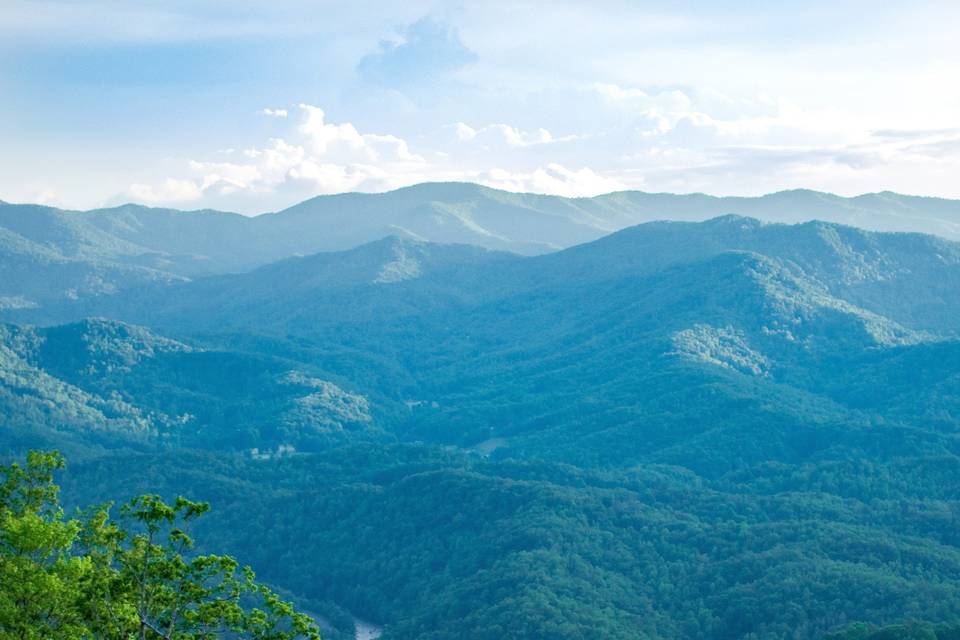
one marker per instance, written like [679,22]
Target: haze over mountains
[51,254]
[778,304]
[667,431]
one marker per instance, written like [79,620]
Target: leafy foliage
[41,580]
[722,430]
[438,544]
[913,630]
[140,578]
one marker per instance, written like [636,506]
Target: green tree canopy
[137,577]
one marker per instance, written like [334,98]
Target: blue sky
[253,106]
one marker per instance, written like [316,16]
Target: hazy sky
[253,106]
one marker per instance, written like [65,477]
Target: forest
[714,430]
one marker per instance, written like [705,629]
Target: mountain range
[728,428]
[52,254]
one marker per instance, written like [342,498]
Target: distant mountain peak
[745,222]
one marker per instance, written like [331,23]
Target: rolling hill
[668,432]
[47,254]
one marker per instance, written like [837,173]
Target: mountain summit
[51,255]
[708,401]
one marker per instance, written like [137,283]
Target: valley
[664,432]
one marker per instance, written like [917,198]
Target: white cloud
[320,157]
[346,143]
[634,98]
[553,179]
[705,117]
[170,190]
[33,193]
[688,98]
[429,51]
[673,139]
[503,134]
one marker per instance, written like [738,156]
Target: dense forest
[446,546]
[137,577]
[534,557]
[716,430]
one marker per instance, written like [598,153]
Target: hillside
[569,355]
[48,255]
[666,433]
[115,385]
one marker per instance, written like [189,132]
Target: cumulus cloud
[318,157]
[345,142]
[553,179]
[664,99]
[170,190]
[34,194]
[495,135]
[674,139]
[427,51]
[630,97]
[703,117]
[662,137]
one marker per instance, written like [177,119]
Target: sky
[255,106]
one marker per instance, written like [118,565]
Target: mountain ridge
[102,251]
[639,205]
[753,413]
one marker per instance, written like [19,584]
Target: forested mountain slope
[669,432]
[49,255]
[117,385]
